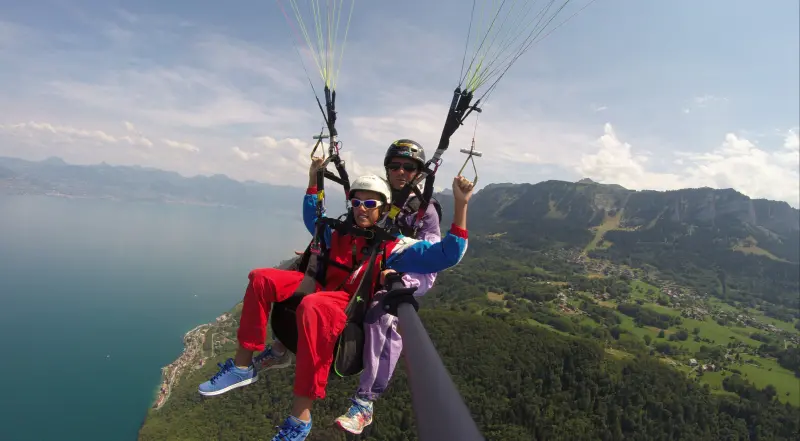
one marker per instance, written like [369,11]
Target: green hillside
[581,311]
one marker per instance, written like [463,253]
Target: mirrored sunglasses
[368,204]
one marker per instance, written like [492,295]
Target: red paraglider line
[296,33]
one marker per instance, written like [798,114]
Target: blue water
[95,297]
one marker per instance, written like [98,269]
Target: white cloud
[246,156]
[217,97]
[615,163]
[703,101]
[42,133]
[177,96]
[286,161]
[47,131]
[232,57]
[792,141]
[510,139]
[737,163]
[181,145]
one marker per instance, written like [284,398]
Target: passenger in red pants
[321,319]
[320,316]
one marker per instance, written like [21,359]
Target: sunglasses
[368,204]
[407,166]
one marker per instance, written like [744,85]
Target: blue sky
[649,95]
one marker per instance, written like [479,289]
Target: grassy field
[750,246]
[756,314]
[609,223]
[495,297]
[760,316]
[769,372]
[543,325]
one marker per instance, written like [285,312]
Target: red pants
[320,320]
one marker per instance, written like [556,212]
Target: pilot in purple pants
[383,344]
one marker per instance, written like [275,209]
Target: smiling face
[366,217]
[401,171]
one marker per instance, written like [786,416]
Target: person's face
[401,171]
[366,208]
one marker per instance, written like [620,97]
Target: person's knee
[323,314]
[262,273]
[309,306]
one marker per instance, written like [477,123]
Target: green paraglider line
[324,53]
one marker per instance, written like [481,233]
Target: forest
[520,383]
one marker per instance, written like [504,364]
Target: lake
[95,297]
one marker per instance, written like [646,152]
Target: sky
[645,94]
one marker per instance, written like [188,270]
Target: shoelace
[287,431]
[223,369]
[356,408]
[267,354]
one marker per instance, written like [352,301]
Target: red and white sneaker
[357,417]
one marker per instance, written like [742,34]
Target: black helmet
[405,148]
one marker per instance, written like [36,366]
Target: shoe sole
[232,386]
[354,432]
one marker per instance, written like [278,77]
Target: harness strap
[316,263]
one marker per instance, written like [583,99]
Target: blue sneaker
[293,430]
[229,377]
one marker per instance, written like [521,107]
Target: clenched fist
[462,189]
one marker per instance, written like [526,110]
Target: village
[194,354]
[686,301]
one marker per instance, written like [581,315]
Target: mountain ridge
[133,183]
[550,213]
[11,167]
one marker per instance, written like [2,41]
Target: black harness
[415,205]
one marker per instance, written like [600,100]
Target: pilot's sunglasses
[407,166]
[368,204]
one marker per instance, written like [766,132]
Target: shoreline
[192,357]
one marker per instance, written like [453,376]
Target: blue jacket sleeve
[310,214]
[423,257]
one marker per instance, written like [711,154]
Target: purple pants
[383,345]
[382,349]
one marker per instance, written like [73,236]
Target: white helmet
[372,183]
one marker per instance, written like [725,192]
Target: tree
[661,333]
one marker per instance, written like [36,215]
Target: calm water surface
[95,297]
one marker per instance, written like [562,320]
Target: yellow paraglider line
[322,45]
[504,31]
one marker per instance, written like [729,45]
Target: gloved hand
[397,294]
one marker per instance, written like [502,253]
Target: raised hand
[462,189]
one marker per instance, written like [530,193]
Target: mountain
[54,177]
[582,311]
[573,210]
[730,245]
